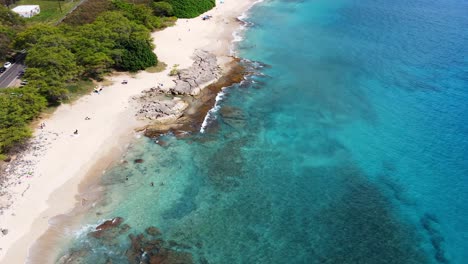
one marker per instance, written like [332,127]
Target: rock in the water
[110,224]
[74,257]
[233,116]
[110,229]
[153,231]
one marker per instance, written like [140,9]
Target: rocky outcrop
[204,69]
[159,104]
[159,108]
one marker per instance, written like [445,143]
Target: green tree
[48,84]
[138,55]
[162,9]
[18,106]
[190,8]
[10,24]
[5,41]
[10,18]
[31,35]
[55,61]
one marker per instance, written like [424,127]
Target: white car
[7,65]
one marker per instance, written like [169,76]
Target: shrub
[138,55]
[163,9]
[174,71]
[190,8]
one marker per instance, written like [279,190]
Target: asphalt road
[12,73]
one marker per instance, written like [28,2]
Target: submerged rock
[74,257]
[110,224]
[109,230]
[171,257]
[144,249]
[233,116]
[153,231]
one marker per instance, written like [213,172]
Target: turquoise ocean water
[348,145]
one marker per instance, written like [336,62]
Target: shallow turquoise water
[349,145]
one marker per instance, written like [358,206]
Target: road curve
[11,74]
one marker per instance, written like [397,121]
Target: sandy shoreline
[47,183]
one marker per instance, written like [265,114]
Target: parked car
[2,69]
[24,82]
[7,65]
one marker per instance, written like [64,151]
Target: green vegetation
[61,55]
[162,9]
[51,11]
[137,55]
[88,12]
[10,25]
[78,88]
[174,71]
[190,8]
[161,66]
[18,108]
[98,37]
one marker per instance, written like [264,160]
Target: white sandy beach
[48,185]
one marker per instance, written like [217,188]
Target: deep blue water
[349,145]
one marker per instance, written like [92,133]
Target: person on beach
[76,132]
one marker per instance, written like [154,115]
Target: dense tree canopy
[32,35]
[10,24]
[114,36]
[190,8]
[162,9]
[137,55]
[18,107]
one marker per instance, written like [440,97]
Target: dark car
[2,70]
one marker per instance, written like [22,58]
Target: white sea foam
[238,36]
[211,113]
[84,230]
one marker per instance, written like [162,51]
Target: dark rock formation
[110,229]
[233,116]
[154,251]
[153,231]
